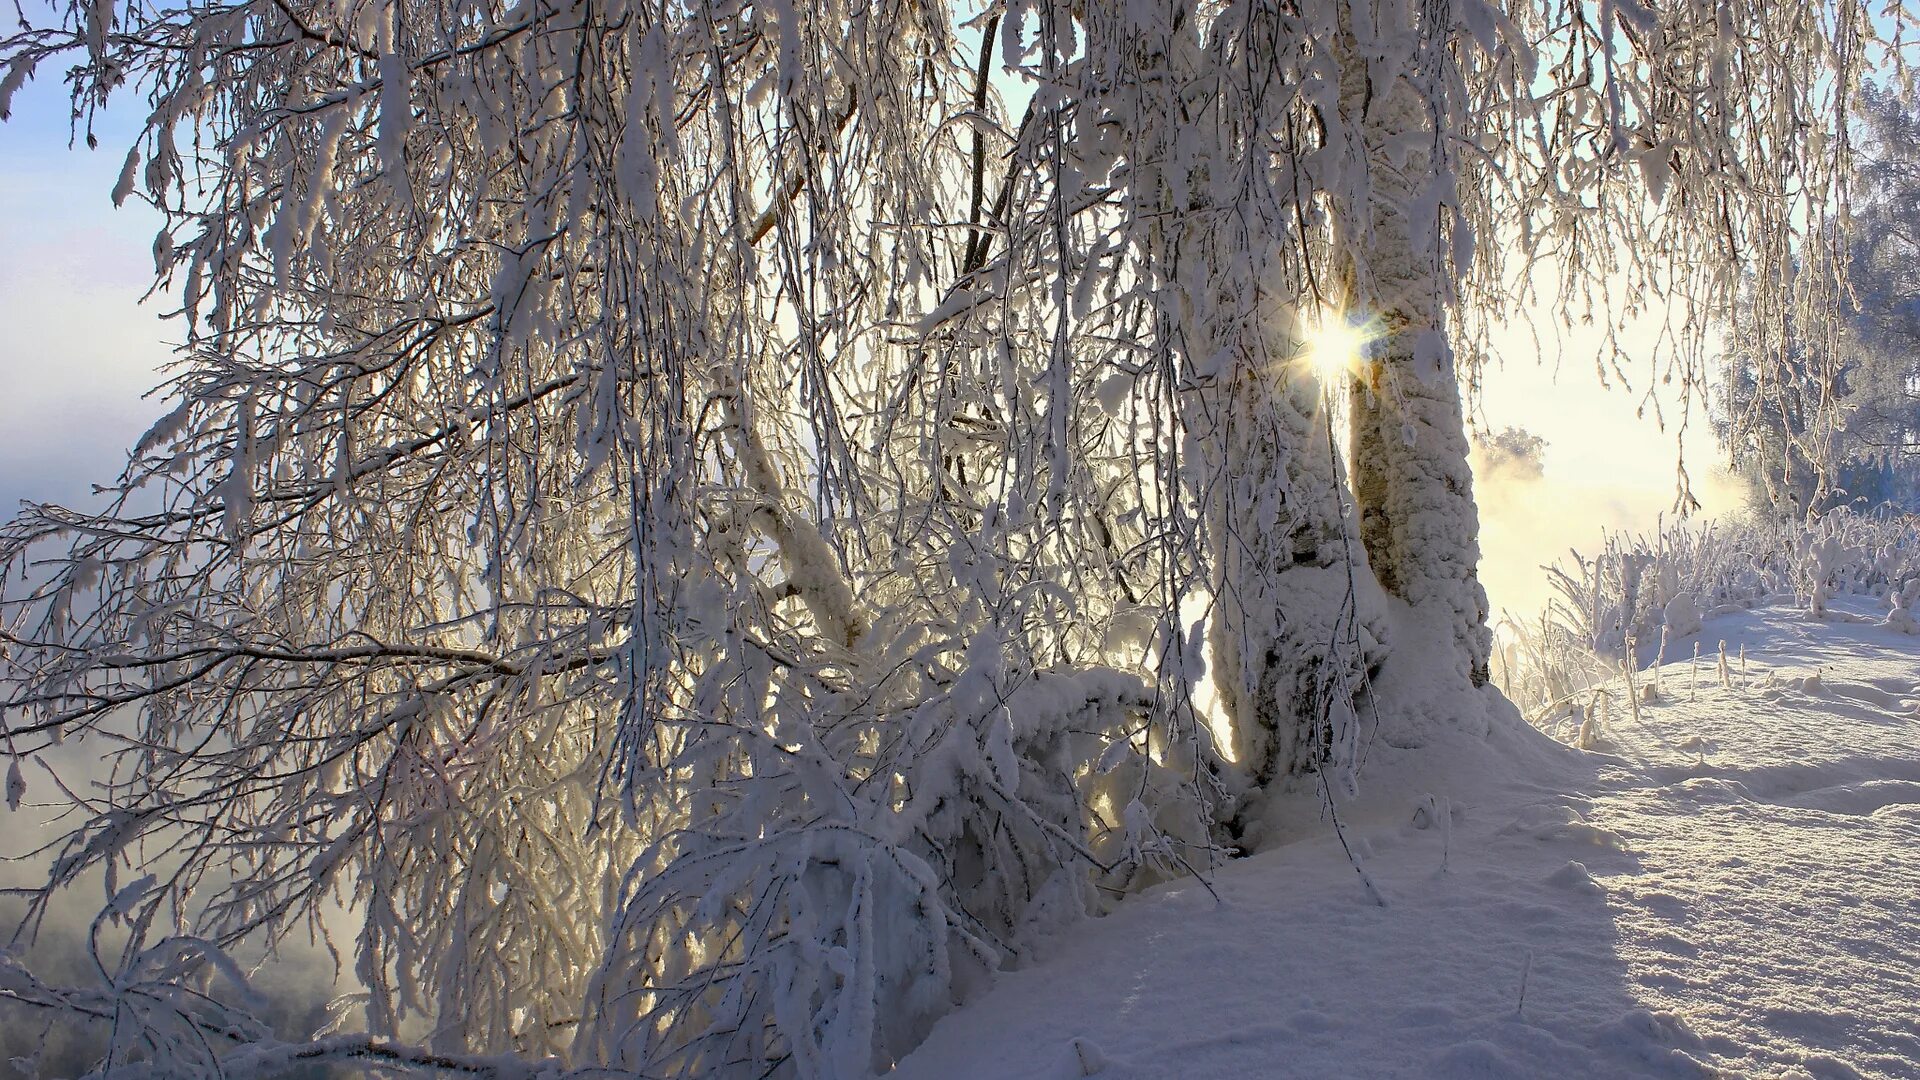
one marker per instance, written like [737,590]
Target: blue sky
[77,349]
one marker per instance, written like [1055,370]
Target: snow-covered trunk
[1412,486]
[1296,622]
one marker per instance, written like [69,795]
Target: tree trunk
[1297,622]
[1411,482]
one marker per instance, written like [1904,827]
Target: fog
[78,348]
[1612,446]
[1535,511]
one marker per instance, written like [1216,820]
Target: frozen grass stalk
[1633,692]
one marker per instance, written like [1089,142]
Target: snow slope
[1729,886]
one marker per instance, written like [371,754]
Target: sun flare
[1336,346]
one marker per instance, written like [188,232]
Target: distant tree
[1816,422]
[704,526]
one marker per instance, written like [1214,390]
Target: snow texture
[1411,481]
[1728,887]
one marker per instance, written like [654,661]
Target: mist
[1536,510]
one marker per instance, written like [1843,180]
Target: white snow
[1728,885]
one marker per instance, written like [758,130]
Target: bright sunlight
[1336,345]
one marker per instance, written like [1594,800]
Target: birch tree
[703,527]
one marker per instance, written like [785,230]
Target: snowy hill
[1729,886]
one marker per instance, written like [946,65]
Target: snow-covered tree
[701,527]
[1816,422]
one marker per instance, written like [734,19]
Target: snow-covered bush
[1640,590]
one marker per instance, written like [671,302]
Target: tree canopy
[705,525]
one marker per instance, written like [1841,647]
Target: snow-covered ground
[1729,885]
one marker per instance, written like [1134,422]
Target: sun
[1336,346]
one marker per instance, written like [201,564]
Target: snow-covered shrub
[1681,617]
[1638,590]
[846,888]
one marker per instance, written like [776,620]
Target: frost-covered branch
[688,534]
